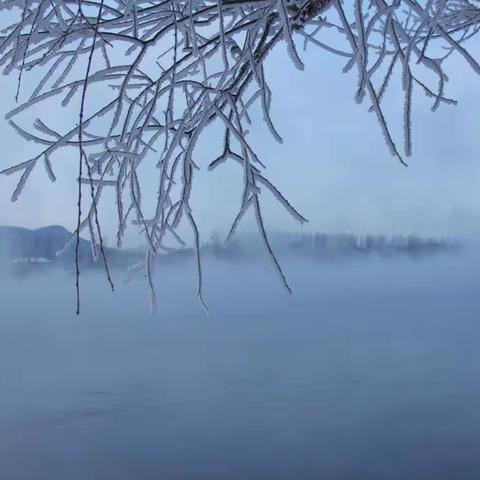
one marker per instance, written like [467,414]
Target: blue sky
[333,165]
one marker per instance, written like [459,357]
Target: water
[370,371]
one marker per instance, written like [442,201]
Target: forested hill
[40,245]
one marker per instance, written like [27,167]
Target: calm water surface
[369,371]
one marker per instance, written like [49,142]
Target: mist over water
[369,371]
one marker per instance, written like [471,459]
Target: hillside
[46,245]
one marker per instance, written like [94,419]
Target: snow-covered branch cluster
[169,68]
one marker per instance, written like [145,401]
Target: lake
[370,370]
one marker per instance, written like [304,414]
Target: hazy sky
[333,166]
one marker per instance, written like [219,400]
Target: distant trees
[170,68]
[332,245]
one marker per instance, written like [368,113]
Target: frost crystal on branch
[168,69]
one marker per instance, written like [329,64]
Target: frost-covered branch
[169,69]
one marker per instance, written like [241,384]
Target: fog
[368,371]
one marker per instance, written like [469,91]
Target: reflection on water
[370,371]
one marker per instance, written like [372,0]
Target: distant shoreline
[22,249]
